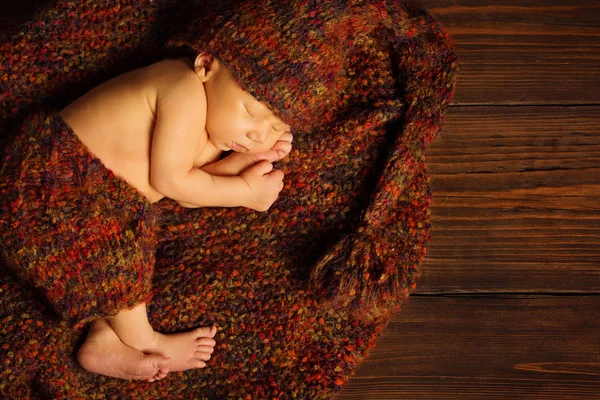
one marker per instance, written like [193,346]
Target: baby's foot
[187,350]
[104,353]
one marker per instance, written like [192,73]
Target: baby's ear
[205,66]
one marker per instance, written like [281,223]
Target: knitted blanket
[69,225]
[301,292]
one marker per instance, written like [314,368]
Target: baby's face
[236,121]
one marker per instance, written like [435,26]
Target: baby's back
[116,121]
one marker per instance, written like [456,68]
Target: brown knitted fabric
[348,68]
[70,227]
[348,231]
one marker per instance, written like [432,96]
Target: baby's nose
[259,135]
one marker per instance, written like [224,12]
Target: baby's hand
[279,150]
[264,184]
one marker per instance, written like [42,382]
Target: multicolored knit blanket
[301,292]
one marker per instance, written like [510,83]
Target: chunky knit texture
[351,69]
[300,292]
[69,225]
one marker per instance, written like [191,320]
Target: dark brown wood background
[509,303]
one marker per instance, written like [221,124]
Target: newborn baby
[163,129]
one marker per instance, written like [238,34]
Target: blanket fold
[350,68]
[372,270]
[70,227]
[364,85]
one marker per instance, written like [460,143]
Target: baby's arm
[178,138]
[236,163]
[261,182]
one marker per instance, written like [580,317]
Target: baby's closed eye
[278,130]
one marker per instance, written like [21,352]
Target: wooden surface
[509,303]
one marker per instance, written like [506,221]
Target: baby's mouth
[237,147]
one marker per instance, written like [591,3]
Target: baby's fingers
[287,137]
[276,175]
[282,149]
[261,168]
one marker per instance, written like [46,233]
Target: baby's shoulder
[167,74]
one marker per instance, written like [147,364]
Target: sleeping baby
[77,197]
[85,180]
[164,129]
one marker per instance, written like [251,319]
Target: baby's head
[235,119]
[312,62]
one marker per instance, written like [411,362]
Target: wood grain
[516,201]
[486,347]
[515,216]
[515,52]
[509,303]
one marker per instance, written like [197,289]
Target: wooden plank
[514,52]
[515,201]
[519,347]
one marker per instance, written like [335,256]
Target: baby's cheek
[266,146]
[258,148]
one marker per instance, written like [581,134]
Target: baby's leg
[104,353]
[186,350]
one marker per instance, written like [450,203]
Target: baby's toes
[200,355]
[206,349]
[205,332]
[206,342]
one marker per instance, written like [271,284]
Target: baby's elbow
[164,184]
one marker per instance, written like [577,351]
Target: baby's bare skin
[104,353]
[151,128]
[187,349]
[116,121]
